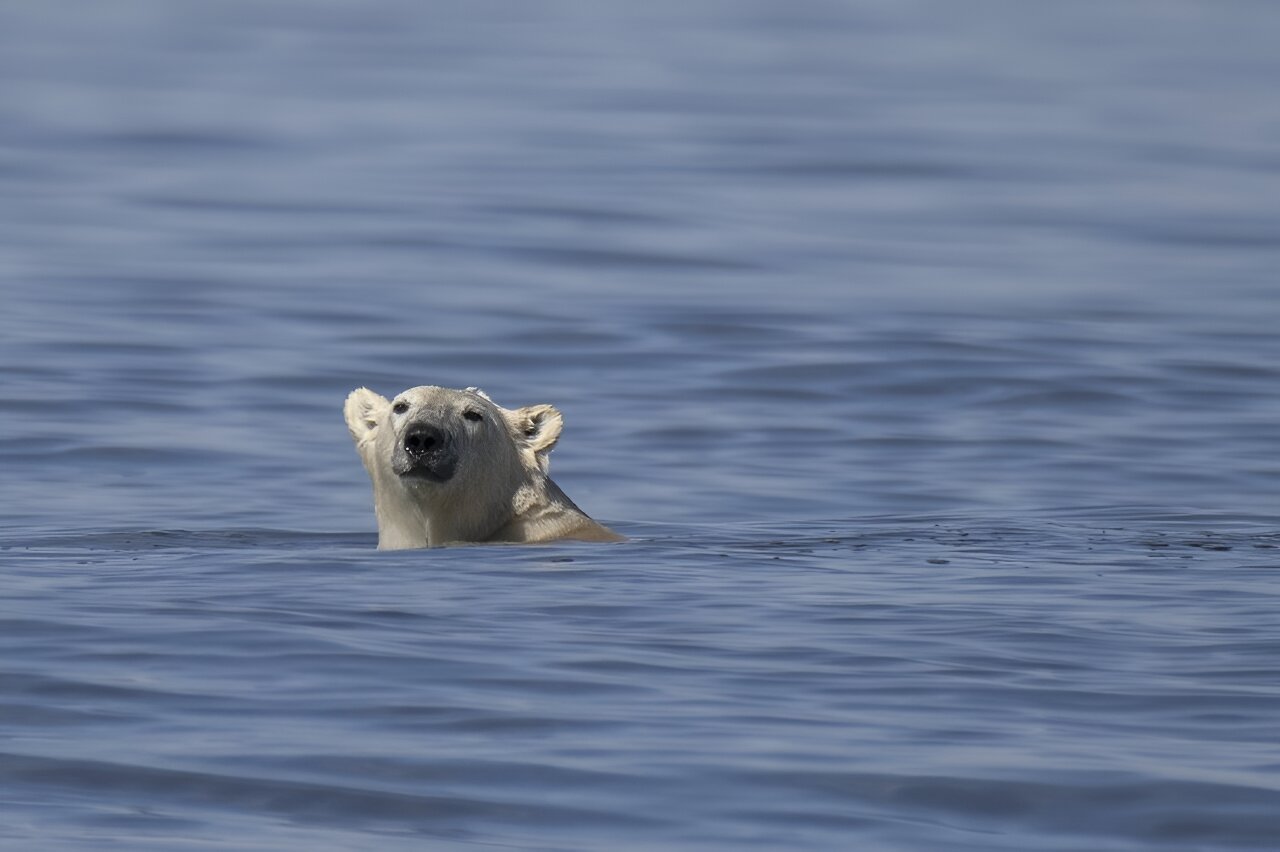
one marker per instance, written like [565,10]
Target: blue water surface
[926,352]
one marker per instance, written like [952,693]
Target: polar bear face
[432,434]
[430,429]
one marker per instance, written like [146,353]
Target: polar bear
[452,466]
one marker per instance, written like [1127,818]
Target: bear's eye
[473,415]
[400,407]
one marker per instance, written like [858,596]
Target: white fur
[499,491]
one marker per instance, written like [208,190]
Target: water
[926,353]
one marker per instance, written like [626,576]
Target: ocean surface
[928,353]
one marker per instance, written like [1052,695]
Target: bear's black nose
[421,439]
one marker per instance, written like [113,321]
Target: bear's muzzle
[425,452]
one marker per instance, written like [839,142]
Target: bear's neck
[529,508]
[545,513]
[537,510]
[479,513]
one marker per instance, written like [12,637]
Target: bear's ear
[539,427]
[364,410]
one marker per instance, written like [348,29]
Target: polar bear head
[452,465]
